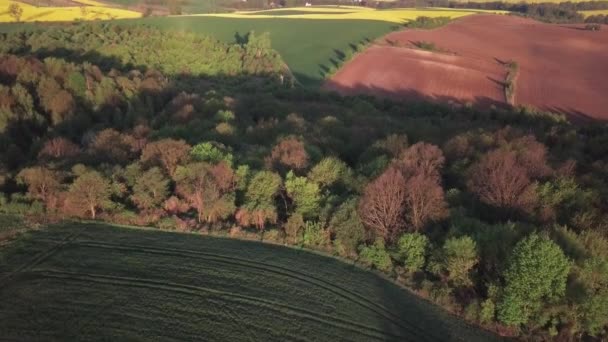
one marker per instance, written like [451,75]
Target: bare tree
[501,181]
[421,158]
[167,153]
[424,201]
[15,11]
[289,152]
[382,206]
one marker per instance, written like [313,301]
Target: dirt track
[561,68]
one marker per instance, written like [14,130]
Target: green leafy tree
[151,189]
[412,250]
[330,171]
[456,260]
[294,228]
[376,256]
[460,258]
[259,206]
[592,277]
[314,235]
[211,152]
[537,274]
[304,193]
[348,229]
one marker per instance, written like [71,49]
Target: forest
[498,216]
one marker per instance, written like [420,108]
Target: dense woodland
[500,217]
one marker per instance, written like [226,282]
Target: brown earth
[562,68]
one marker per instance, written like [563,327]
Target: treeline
[499,217]
[553,12]
[143,48]
[563,12]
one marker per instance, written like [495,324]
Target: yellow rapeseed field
[595,12]
[90,10]
[344,12]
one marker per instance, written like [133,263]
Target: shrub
[314,235]
[593,27]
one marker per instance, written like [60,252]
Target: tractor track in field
[306,278]
[355,327]
[40,257]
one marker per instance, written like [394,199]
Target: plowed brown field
[562,68]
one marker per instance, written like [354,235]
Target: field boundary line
[199,290]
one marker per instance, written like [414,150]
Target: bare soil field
[562,68]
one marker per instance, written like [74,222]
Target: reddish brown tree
[207,189]
[382,206]
[42,184]
[168,153]
[424,201]
[59,148]
[532,155]
[61,106]
[421,158]
[501,181]
[89,193]
[291,153]
[111,145]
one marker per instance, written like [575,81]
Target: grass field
[96,282]
[93,11]
[399,16]
[308,46]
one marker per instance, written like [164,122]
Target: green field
[308,46]
[96,282]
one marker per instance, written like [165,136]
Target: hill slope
[97,282]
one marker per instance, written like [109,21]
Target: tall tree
[42,184]
[168,153]
[259,206]
[501,181]
[15,11]
[424,201]
[90,192]
[537,274]
[348,229]
[290,152]
[305,195]
[208,189]
[382,205]
[151,189]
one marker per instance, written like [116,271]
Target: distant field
[308,46]
[353,13]
[596,12]
[312,43]
[94,11]
[95,282]
[568,78]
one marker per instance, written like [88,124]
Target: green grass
[96,282]
[309,47]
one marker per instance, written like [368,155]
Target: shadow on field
[481,103]
[407,95]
